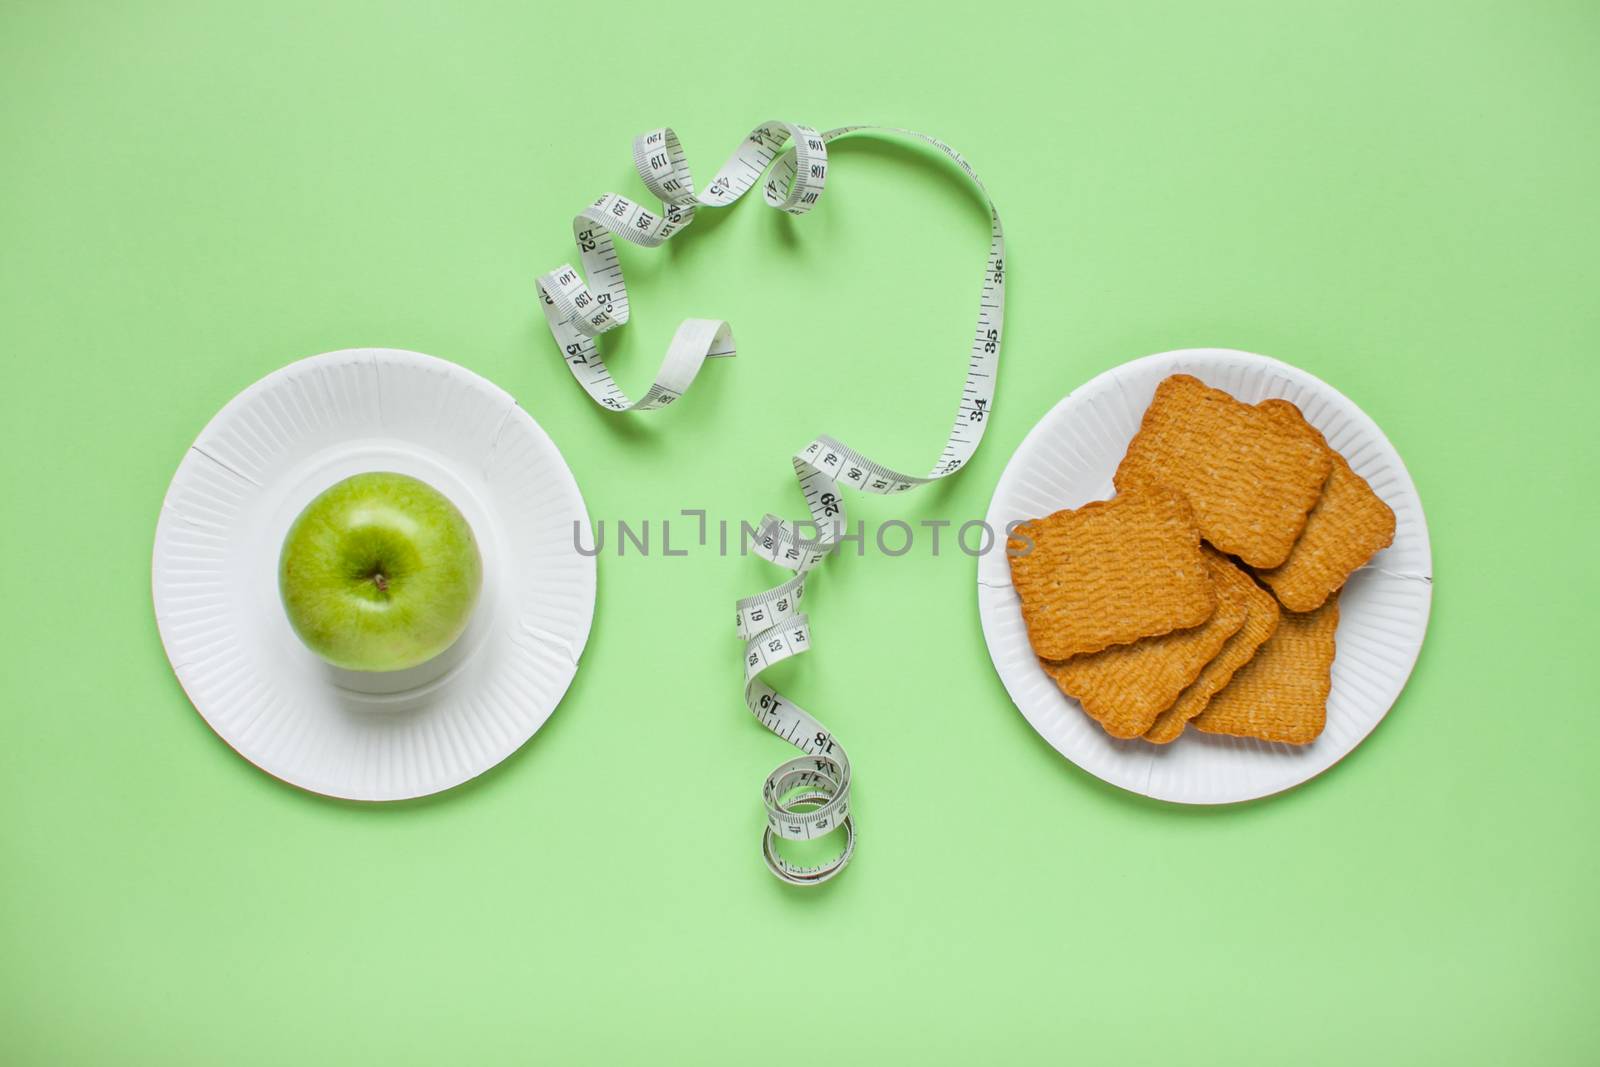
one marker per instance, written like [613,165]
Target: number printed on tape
[807,797]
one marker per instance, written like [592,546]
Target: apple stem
[381,582]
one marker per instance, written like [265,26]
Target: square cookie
[1125,687]
[1349,525]
[1282,693]
[1110,572]
[1250,479]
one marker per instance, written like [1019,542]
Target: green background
[1398,197]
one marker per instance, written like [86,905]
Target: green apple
[379,573]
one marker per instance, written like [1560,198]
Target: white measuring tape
[806,797]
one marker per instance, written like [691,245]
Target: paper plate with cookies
[1216,580]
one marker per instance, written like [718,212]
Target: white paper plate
[1068,459]
[272,449]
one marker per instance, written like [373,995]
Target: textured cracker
[1250,480]
[1349,525]
[1281,694]
[1125,687]
[1110,572]
[1260,622]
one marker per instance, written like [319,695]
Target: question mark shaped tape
[809,796]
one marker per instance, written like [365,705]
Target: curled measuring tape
[809,796]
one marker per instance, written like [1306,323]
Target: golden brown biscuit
[1261,620]
[1281,694]
[1110,572]
[1250,480]
[1125,687]
[1349,525]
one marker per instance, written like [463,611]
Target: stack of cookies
[1207,590]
